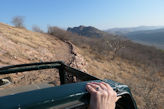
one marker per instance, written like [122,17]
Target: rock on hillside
[87,31]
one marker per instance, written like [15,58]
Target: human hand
[102,96]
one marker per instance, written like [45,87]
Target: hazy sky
[102,14]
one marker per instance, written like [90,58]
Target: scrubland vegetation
[18,21]
[108,57]
[111,57]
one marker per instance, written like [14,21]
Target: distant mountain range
[122,31]
[149,35]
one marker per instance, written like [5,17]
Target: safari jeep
[71,94]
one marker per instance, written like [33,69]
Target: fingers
[102,86]
[91,89]
[102,97]
[95,86]
[107,85]
[118,98]
[111,92]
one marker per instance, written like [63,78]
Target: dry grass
[26,46]
[138,66]
[19,46]
[138,79]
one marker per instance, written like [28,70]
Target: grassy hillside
[138,66]
[19,46]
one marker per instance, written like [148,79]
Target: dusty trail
[19,46]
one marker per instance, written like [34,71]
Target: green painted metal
[68,96]
[29,67]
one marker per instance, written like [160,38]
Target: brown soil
[19,46]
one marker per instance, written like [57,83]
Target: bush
[18,21]
[35,28]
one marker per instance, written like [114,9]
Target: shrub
[36,28]
[18,21]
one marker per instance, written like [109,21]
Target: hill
[22,46]
[138,66]
[87,31]
[147,35]
[19,46]
[150,37]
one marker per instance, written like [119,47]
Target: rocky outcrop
[77,60]
[87,31]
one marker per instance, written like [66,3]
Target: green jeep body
[65,96]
